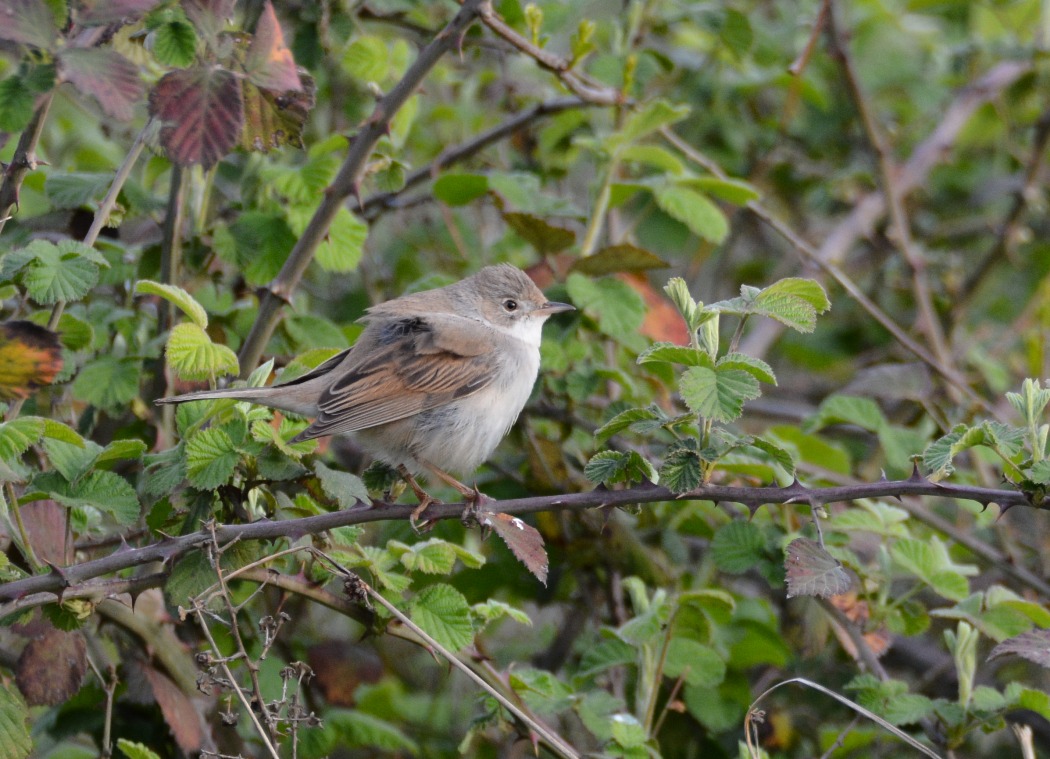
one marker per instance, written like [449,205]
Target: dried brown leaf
[812,571]
[524,541]
[30,357]
[269,63]
[51,668]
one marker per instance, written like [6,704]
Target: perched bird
[433,383]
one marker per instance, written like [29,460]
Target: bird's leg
[424,498]
[471,495]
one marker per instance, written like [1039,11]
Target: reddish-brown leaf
[812,571]
[272,119]
[209,16]
[178,709]
[101,12]
[341,666]
[105,75]
[51,668]
[524,541]
[662,322]
[202,114]
[269,62]
[28,22]
[1033,645]
[857,612]
[45,523]
[30,357]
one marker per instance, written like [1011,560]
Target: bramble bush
[761,502]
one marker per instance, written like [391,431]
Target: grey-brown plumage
[435,380]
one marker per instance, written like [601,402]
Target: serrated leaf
[737,547]
[694,662]
[17,435]
[812,571]
[430,557]
[345,488]
[15,740]
[444,614]
[106,491]
[538,232]
[718,393]
[30,358]
[202,113]
[1033,645]
[618,258]
[177,296]
[675,354]
[696,211]
[71,460]
[460,189]
[794,302]
[51,668]
[756,367]
[343,246]
[269,62]
[193,356]
[105,75]
[108,382]
[681,470]
[524,541]
[775,452]
[135,750]
[367,58]
[175,44]
[211,458]
[52,275]
[29,22]
[73,189]
[609,467]
[16,104]
[358,729]
[636,419]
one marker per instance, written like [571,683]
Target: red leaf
[102,12]
[812,571]
[29,22]
[1033,645]
[30,357]
[524,541]
[269,62]
[52,667]
[178,710]
[202,111]
[106,75]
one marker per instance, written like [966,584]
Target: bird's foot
[475,501]
[426,525]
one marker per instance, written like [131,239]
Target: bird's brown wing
[403,366]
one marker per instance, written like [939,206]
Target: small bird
[433,383]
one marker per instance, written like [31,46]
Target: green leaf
[654,156]
[628,732]
[211,458]
[460,189]
[175,44]
[675,354]
[718,393]
[343,246]
[15,741]
[135,750]
[681,470]
[618,258]
[177,296]
[648,119]
[641,420]
[733,191]
[344,488]
[74,189]
[696,663]
[106,491]
[54,275]
[434,557]
[72,460]
[539,233]
[737,547]
[367,58]
[16,104]
[358,729]
[794,302]
[444,614]
[608,653]
[608,467]
[848,409]
[17,435]
[108,382]
[696,211]
[193,356]
[615,305]
[756,367]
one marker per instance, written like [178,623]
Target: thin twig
[346,184]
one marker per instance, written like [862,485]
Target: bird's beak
[553,307]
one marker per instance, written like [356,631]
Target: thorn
[1003,509]
[916,475]
[883,477]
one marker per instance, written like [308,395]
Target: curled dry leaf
[524,541]
[30,357]
[1033,645]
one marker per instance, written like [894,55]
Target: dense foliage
[807,245]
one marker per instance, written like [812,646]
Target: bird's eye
[510,304]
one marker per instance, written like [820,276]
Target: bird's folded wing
[401,367]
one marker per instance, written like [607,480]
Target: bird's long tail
[264,396]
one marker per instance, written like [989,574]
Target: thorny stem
[24,159]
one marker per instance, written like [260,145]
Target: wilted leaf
[29,22]
[269,62]
[1033,645]
[618,258]
[274,118]
[524,541]
[30,357]
[105,75]
[179,712]
[51,668]
[812,571]
[202,112]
